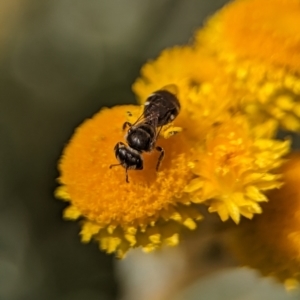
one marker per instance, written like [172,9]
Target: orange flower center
[101,193]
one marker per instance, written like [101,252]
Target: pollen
[270,243]
[118,214]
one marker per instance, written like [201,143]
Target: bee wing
[158,132]
[152,119]
[139,119]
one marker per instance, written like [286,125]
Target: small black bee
[160,109]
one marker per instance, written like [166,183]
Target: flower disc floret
[257,48]
[233,168]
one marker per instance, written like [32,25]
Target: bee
[160,109]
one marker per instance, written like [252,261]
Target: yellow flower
[182,66]
[199,88]
[270,243]
[234,167]
[149,211]
[257,44]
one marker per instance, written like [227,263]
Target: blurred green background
[60,62]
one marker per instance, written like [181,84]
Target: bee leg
[161,156]
[125,125]
[126,172]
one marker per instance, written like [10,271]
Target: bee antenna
[111,166]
